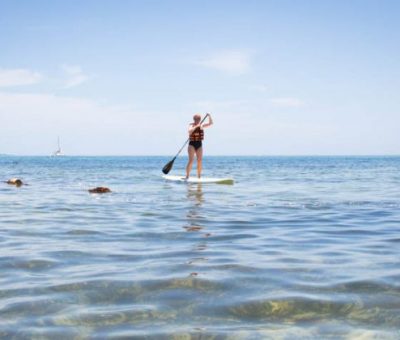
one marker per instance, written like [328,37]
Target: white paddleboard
[201,180]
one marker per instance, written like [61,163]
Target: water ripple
[297,248]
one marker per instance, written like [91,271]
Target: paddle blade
[167,168]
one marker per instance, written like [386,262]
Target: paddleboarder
[196,136]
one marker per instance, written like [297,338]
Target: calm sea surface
[298,247]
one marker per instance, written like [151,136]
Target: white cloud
[17,77]
[234,62]
[287,102]
[30,124]
[74,75]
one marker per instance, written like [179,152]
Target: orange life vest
[197,135]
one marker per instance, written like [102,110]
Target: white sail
[58,152]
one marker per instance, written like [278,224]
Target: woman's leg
[199,155]
[191,152]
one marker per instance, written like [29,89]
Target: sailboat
[58,152]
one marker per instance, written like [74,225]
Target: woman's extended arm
[210,121]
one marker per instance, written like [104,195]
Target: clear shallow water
[298,247]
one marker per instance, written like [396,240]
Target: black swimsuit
[196,144]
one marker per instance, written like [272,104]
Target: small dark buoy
[99,190]
[15,181]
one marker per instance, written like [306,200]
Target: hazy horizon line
[212,155]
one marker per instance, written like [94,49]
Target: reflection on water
[195,194]
[194,214]
[298,248]
[195,217]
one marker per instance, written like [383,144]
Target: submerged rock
[99,190]
[193,228]
[15,181]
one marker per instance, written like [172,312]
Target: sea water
[298,247]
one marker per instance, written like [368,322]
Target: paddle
[167,168]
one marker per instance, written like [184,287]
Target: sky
[121,77]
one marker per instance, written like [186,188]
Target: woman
[196,136]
